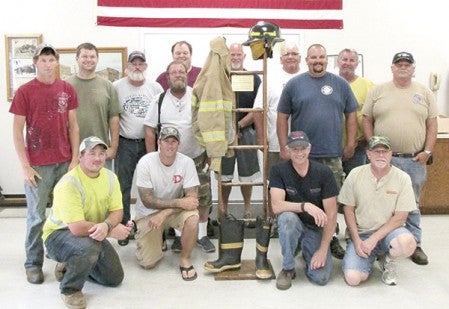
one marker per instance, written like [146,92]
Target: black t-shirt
[318,184]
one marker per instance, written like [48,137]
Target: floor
[162,287]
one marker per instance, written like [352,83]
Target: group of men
[396,133]
[76,127]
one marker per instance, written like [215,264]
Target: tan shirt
[401,114]
[376,201]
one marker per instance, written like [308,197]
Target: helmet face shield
[267,34]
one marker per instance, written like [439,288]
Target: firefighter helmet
[264,31]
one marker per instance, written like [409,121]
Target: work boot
[337,250]
[419,257]
[231,232]
[263,230]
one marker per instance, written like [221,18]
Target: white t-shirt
[168,182]
[176,113]
[135,102]
[276,82]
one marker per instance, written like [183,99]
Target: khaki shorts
[149,241]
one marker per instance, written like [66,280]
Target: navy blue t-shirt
[318,184]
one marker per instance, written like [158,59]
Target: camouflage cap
[379,140]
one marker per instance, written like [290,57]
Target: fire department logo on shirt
[327,90]
[177,178]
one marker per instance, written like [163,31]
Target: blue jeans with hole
[86,258]
[37,200]
[418,174]
[129,153]
[293,231]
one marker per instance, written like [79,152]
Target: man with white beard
[135,93]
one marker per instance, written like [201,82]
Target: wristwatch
[429,153]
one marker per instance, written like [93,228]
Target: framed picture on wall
[19,60]
[111,62]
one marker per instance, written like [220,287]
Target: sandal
[186,270]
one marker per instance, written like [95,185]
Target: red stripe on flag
[228,4]
[216,22]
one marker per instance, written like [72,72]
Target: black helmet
[266,31]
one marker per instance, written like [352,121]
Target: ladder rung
[248,110]
[246,72]
[245,147]
[236,183]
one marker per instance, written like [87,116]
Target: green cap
[379,140]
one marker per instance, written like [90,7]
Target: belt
[405,155]
[133,139]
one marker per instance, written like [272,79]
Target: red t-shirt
[46,108]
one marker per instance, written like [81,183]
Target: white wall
[376,28]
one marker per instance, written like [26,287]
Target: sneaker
[75,300]
[284,279]
[35,275]
[60,270]
[123,242]
[387,266]
[419,257]
[206,245]
[336,249]
[176,246]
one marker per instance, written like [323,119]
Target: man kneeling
[377,198]
[167,183]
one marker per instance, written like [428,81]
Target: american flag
[293,14]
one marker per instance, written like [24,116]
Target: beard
[178,85]
[136,76]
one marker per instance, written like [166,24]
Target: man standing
[290,59]
[98,113]
[135,93]
[181,51]
[46,105]
[377,198]
[406,112]
[347,61]
[318,102]
[168,195]
[175,111]
[87,208]
[304,198]
[247,161]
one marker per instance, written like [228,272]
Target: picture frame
[111,62]
[19,51]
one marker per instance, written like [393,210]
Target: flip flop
[186,270]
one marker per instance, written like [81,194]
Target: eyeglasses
[138,64]
[177,72]
[293,54]
[379,152]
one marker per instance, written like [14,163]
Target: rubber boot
[231,232]
[263,231]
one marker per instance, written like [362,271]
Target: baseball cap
[40,48]
[403,56]
[90,142]
[167,132]
[136,54]
[375,141]
[297,138]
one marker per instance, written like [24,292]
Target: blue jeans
[353,261]
[129,153]
[418,174]
[86,258]
[359,158]
[37,199]
[292,232]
